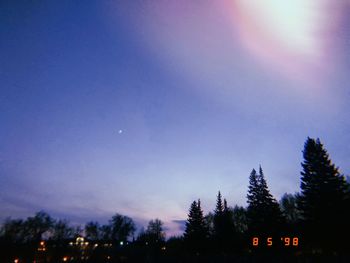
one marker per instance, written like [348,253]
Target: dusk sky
[140,107]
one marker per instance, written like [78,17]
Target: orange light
[269,241]
[255,241]
[295,241]
[16,260]
[286,241]
[65,259]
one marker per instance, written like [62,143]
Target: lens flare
[291,36]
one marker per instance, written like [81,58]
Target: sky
[141,107]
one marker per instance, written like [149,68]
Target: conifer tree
[322,186]
[252,195]
[219,206]
[196,232]
[322,200]
[267,200]
[224,229]
[264,214]
[230,235]
[219,228]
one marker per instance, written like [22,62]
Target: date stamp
[270,241]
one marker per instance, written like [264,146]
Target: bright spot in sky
[120,131]
[291,35]
[291,23]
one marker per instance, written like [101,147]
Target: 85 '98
[269,241]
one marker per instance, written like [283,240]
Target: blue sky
[201,94]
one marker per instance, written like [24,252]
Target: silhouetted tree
[122,227]
[240,220]
[155,232]
[61,230]
[230,236]
[288,204]
[36,226]
[92,231]
[152,241]
[219,209]
[78,231]
[175,249]
[106,232]
[224,229]
[12,230]
[253,187]
[23,236]
[196,232]
[209,222]
[218,218]
[322,200]
[263,213]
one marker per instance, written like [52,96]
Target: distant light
[79,239]
[65,259]
[16,260]
[164,248]
[121,243]
[120,131]
[42,243]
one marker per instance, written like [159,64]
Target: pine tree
[219,227]
[252,195]
[230,235]
[218,218]
[196,232]
[268,202]
[224,229]
[264,214]
[219,206]
[322,200]
[322,186]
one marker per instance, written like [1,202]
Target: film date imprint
[269,241]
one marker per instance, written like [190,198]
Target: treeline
[311,224]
